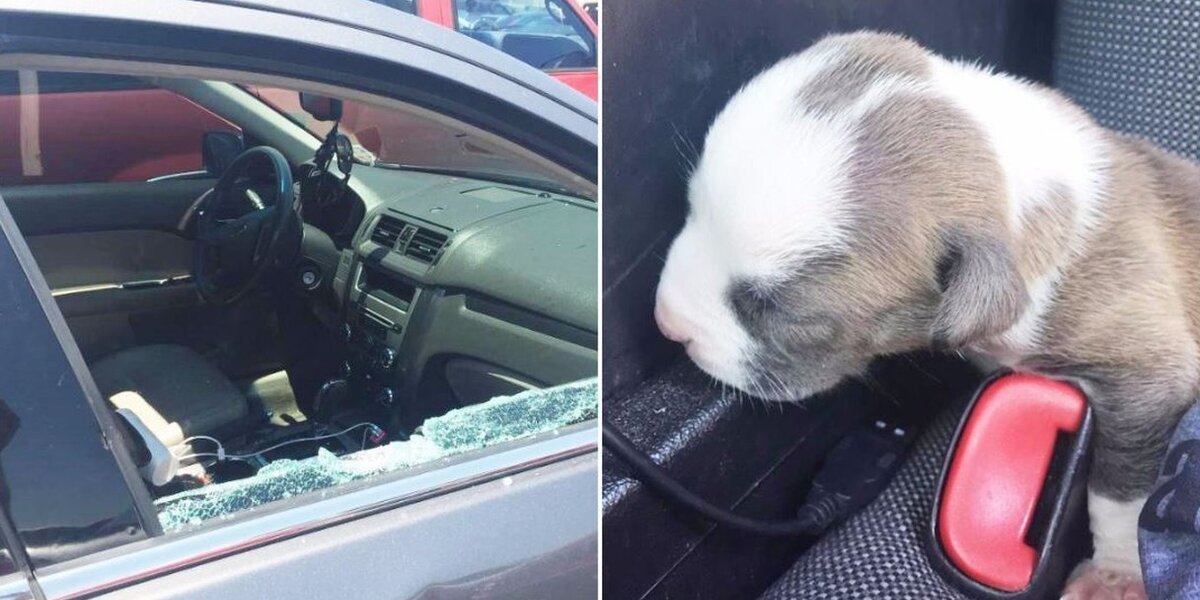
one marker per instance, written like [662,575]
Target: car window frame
[137,560]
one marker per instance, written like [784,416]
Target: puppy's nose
[668,323]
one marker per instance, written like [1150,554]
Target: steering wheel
[579,57]
[232,254]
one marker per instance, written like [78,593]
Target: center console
[378,308]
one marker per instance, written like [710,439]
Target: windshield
[395,139]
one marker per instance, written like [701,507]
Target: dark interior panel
[72,208]
[73,260]
[455,328]
[473,380]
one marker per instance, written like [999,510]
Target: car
[304,357]
[563,43]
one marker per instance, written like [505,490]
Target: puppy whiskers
[687,152]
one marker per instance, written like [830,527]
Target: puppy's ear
[982,292]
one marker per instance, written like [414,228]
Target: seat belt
[1013,489]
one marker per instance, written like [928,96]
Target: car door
[517,520]
[104,169]
[54,529]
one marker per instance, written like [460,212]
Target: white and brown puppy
[866,197]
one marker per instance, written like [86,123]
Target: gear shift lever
[331,396]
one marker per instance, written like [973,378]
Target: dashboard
[450,290]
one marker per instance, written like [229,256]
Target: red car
[557,36]
[59,139]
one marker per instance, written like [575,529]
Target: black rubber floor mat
[880,553]
[737,452]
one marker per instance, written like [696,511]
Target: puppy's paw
[1090,582]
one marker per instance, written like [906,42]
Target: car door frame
[400,57]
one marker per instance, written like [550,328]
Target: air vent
[411,240]
[387,231]
[425,245]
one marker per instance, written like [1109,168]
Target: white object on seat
[162,464]
[133,403]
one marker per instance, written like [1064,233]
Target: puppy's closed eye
[771,311]
[757,296]
[753,300]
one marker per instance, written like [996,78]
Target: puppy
[866,197]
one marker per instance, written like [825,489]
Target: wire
[311,439]
[198,437]
[654,476]
[201,437]
[220,455]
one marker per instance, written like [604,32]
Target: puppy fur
[866,197]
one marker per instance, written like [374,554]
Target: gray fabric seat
[173,386]
[879,553]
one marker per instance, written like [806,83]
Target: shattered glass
[498,420]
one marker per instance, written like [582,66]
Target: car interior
[763,460]
[257,275]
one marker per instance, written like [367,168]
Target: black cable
[809,523]
[852,474]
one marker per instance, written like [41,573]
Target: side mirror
[219,149]
[322,108]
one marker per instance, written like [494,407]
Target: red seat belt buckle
[1014,479]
